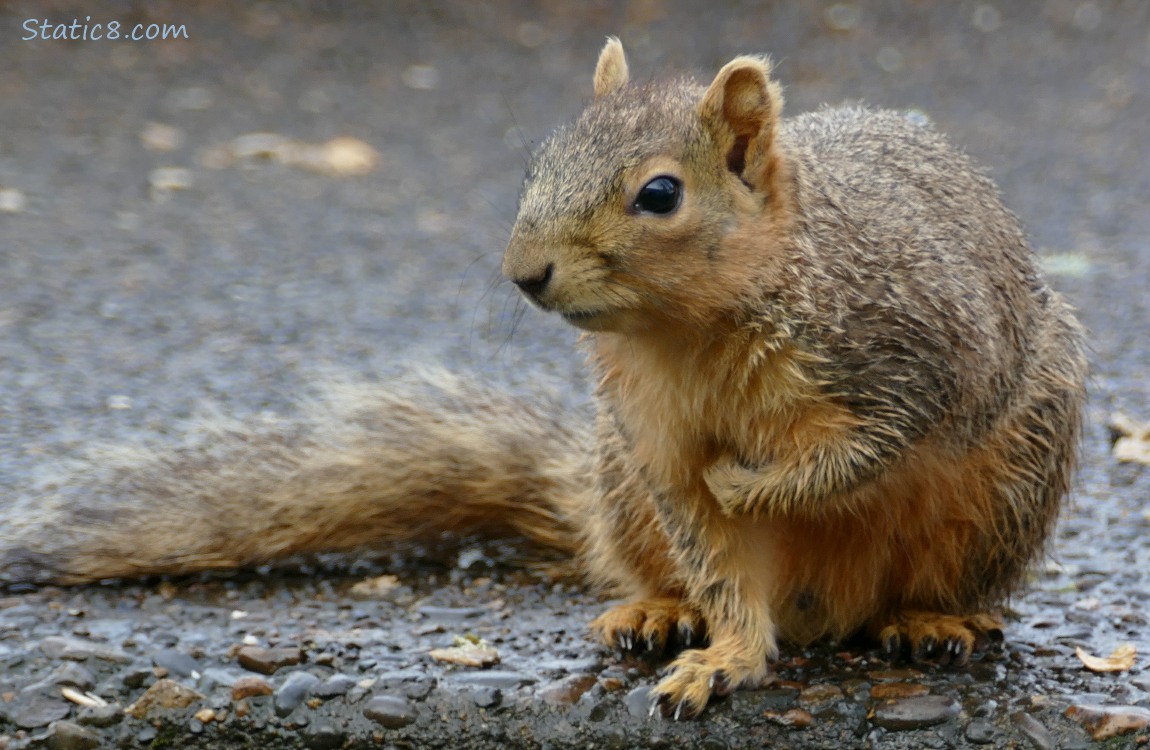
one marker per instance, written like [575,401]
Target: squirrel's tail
[363,465]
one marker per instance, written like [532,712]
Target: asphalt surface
[150,263]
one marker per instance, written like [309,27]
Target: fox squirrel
[835,396]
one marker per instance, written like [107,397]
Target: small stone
[214,677]
[100,716]
[491,678]
[817,697]
[293,691]
[419,689]
[323,737]
[32,709]
[205,715]
[981,732]
[638,702]
[487,697]
[897,690]
[1104,722]
[78,649]
[391,711]
[1038,735]
[268,660]
[176,662]
[64,735]
[797,718]
[334,686]
[164,693]
[73,674]
[567,691]
[915,713]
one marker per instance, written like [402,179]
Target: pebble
[100,716]
[817,697]
[494,678]
[980,732]
[487,697]
[915,713]
[64,735]
[638,702]
[78,649]
[32,709]
[323,737]
[268,660]
[249,687]
[76,675]
[293,691]
[567,691]
[451,614]
[135,676]
[1104,722]
[1038,735]
[334,686]
[897,690]
[176,662]
[164,693]
[391,711]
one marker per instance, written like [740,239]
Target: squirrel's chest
[680,415]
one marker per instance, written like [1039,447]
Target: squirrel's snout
[535,284]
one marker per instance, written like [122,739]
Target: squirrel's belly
[906,541]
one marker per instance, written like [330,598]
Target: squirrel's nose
[533,286]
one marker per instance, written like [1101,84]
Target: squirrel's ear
[741,109]
[611,70]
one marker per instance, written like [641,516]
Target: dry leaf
[375,588]
[1131,439]
[468,653]
[1120,660]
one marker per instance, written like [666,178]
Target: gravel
[146,270]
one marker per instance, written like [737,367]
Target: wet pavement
[155,257]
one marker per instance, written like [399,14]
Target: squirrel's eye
[659,196]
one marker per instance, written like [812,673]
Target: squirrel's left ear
[742,108]
[611,71]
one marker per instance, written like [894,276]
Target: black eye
[659,196]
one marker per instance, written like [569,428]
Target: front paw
[699,674]
[728,482]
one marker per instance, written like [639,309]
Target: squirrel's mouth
[589,320]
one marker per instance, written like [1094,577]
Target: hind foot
[930,637]
[650,625]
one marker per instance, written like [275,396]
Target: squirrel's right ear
[611,70]
[742,108]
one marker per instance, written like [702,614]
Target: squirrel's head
[646,210]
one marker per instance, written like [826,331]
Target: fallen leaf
[467,652]
[1120,660]
[1131,439]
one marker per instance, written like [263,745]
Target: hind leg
[932,637]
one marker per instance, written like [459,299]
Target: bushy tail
[363,465]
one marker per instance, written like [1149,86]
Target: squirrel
[835,396]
